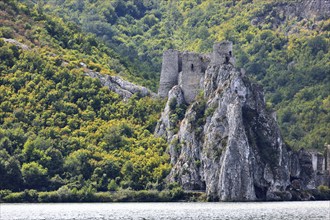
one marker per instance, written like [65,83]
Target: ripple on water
[316,210]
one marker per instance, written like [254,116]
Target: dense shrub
[61,131]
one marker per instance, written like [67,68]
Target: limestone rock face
[313,8]
[122,87]
[166,126]
[282,11]
[15,42]
[228,143]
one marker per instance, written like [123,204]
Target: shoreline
[127,196]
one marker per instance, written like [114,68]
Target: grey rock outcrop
[310,8]
[281,12]
[166,126]
[15,42]
[227,143]
[122,87]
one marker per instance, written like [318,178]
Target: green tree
[34,175]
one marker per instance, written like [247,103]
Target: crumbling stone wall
[191,76]
[318,161]
[319,167]
[187,69]
[223,53]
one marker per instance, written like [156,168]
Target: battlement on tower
[187,69]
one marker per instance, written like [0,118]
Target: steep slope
[227,143]
[284,45]
[69,122]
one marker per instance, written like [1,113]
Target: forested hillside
[60,130]
[63,132]
[284,45]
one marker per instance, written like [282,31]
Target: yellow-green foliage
[288,55]
[61,130]
[65,129]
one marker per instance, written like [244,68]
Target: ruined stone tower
[223,53]
[170,72]
[191,75]
[187,69]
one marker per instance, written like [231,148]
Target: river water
[190,211]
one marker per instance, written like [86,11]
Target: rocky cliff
[226,141]
[316,9]
[283,11]
[122,87]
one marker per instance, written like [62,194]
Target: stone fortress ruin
[187,69]
[189,73]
